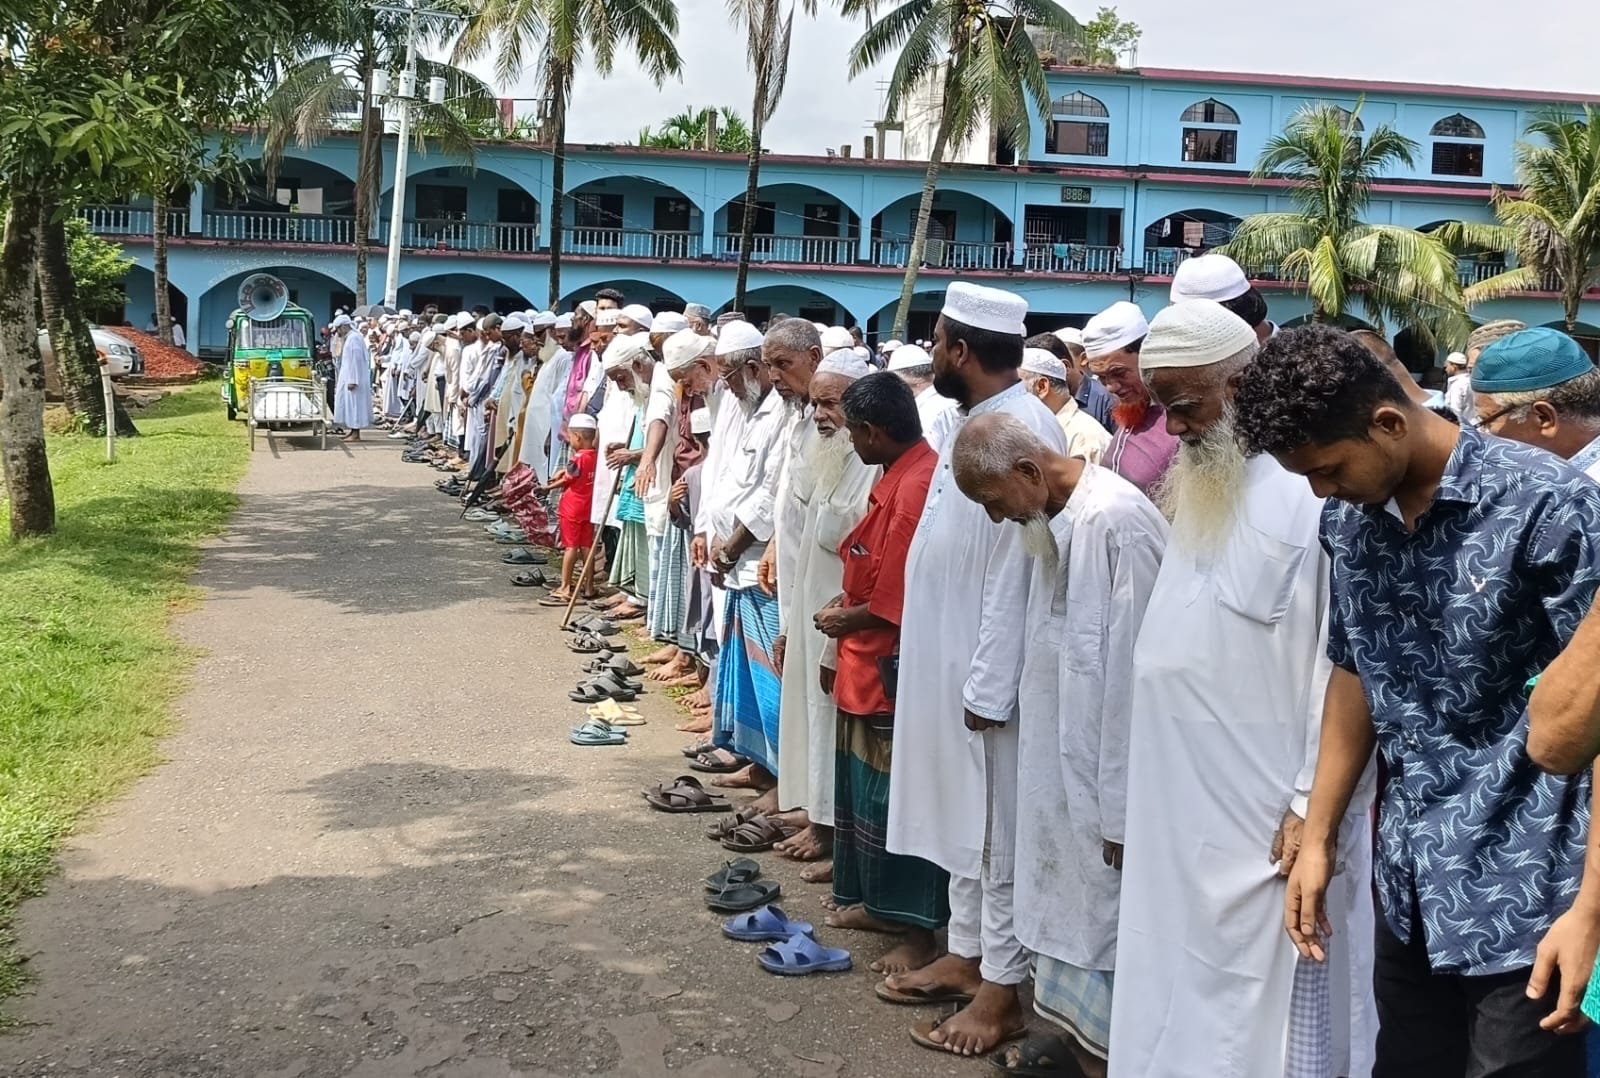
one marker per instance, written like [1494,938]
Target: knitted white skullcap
[582,421]
[563,321]
[1038,361]
[909,355]
[1215,277]
[684,347]
[980,307]
[623,350]
[1194,333]
[736,336]
[545,319]
[1113,329]
[669,322]
[844,361]
[700,421]
[639,315]
[1070,335]
[835,338]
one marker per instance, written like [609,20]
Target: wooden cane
[599,532]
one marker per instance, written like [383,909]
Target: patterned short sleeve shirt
[1445,625]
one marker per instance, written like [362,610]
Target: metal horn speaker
[263,297]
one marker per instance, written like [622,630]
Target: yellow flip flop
[614,713]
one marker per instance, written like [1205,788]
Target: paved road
[373,854]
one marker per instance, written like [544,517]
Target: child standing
[577,496]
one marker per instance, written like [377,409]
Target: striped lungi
[892,886]
[669,574]
[631,570]
[1076,999]
[747,683]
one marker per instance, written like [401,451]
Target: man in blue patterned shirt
[1461,564]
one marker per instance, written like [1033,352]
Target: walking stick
[594,544]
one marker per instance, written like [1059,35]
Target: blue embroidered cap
[1529,359]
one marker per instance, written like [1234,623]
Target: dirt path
[373,853]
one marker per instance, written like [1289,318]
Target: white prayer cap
[1194,333]
[1456,359]
[669,322]
[1038,361]
[623,350]
[563,321]
[736,336]
[697,310]
[582,421]
[607,317]
[835,338]
[844,361]
[589,307]
[1113,329]
[1070,335]
[981,307]
[820,327]
[909,355]
[700,421]
[461,321]
[340,322]
[684,347]
[514,323]
[405,313]
[1215,277]
[414,338]
[889,346]
[638,314]
[545,319]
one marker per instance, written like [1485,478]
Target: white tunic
[614,423]
[543,422]
[810,574]
[1075,709]
[352,408]
[662,406]
[1229,673]
[959,648]
[936,413]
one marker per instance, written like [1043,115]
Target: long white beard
[829,460]
[1039,541]
[1202,490]
[640,392]
[750,394]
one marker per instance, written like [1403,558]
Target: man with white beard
[628,366]
[1096,543]
[825,492]
[1228,681]
[952,790]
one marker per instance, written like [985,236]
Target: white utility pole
[397,217]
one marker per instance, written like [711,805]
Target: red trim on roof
[1321,82]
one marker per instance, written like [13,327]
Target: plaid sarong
[669,574]
[1078,1000]
[747,685]
[631,571]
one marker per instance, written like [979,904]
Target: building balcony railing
[131,220]
[248,226]
[449,235]
[1073,258]
[805,250]
[630,243]
[1164,261]
[1473,270]
[944,254]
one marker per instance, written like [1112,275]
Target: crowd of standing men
[1181,666]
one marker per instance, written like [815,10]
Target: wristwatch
[724,562]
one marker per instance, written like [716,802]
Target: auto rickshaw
[268,337]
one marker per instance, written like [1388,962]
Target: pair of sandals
[607,686]
[749,830]
[524,557]
[598,732]
[594,624]
[619,664]
[531,578]
[587,643]
[685,794]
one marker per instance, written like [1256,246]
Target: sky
[822,107]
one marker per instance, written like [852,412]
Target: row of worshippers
[1090,717]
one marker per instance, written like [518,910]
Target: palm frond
[1501,285]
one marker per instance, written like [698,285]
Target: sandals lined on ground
[1043,1055]
[764,925]
[598,732]
[735,872]
[533,578]
[687,795]
[801,956]
[921,1035]
[757,834]
[723,828]
[736,898]
[708,763]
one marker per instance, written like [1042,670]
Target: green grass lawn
[88,668]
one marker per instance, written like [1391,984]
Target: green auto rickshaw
[268,337]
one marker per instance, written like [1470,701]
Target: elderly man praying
[1141,449]
[1537,386]
[352,400]
[1096,543]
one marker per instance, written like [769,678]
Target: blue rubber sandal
[801,955]
[595,732]
[764,924]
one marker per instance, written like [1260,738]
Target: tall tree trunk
[558,179]
[369,145]
[752,186]
[70,340]
[158,258]
[919,235]
[27,469]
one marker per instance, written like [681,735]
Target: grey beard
[640,393]
[750,394]
[829,461]
[1038,541]
[1202,490]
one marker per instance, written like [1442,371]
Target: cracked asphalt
[372,852]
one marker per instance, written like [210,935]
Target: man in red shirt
[872,888]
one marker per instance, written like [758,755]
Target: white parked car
[122,357]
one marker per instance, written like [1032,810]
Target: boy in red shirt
[577,497]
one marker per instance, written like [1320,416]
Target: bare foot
[667,654]
[831,903]
[857,919]
[915,951]
[767,803]
[812,844]
[682,681]
[695,726]
[626,612]
[699,699]
[993,1017]
[754,777]
[947,975]
[673,670]
[822,873]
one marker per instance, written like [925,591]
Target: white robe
[810,574]
[729,417]
[662,406]
[937,413]
[959,648]
[1229,674]
[548,385]
[393,368]
[615,425]
[1075,709]
[352,408]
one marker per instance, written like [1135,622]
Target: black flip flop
[1042,1055]
[523,557]
[737,898]
[533,578]
[712,766]
[732,873]
[700,748]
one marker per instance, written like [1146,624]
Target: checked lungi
[747,682]
[669,575]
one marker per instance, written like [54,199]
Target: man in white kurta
[829,486]
[952,791]
[352,397]
[914,366]
[1228,684]
[1097,544]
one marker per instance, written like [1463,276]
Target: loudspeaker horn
[263,297]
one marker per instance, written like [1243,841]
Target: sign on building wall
[1075,194]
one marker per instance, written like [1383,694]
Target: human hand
[1567,950]
[1112,854]
[831,620]
[827,675]
[977,723]
[644,478]
[1286,843]
[616,455]
[697,552]
[1305,910]
[767,571]
[350,386]
[779,646]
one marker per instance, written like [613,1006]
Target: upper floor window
[1080,137]
[1211,144]
[1453,153]
[1352,122]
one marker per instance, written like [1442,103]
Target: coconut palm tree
[988,70]
[318,93]
[1392,273]
[687,131]
[564,35]
[1552,222]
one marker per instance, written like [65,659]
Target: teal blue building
[1136,171]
